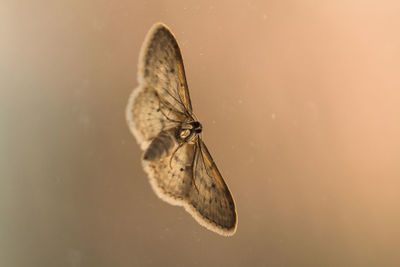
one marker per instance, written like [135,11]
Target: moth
[159,114]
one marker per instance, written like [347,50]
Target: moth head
[197,126]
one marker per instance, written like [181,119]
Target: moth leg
[181,101]
[202,158]
[178,101]
[173,154]
[194,166]
[194,161]
[161,101]
[168,118]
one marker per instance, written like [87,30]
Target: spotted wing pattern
[210,197]
[161,67]
[171,179]
[147,116]
[181,172]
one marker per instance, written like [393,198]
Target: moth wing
[162,96]
[210,201]
[171,179]
[161,67]
[191,179]
[147,116]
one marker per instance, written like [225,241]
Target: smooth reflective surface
[300,107]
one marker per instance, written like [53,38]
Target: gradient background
[300,106]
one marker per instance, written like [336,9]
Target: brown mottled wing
[210,200]
[161,67]
[146,116]
[171,179]
[162,96]
[191,179]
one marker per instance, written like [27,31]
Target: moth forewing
[161,66]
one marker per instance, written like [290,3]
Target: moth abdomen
[160,146]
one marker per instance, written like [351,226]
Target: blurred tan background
[300,106]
